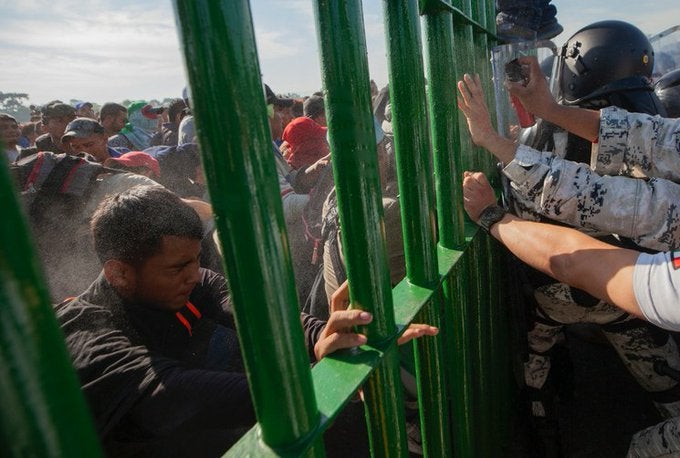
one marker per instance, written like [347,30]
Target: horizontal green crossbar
[337,377]
[429,7]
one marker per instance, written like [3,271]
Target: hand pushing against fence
[471,103]
[338,333]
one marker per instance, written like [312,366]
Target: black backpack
[47,175]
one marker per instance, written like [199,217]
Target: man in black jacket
[153,338]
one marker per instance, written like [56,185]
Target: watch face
[490,216]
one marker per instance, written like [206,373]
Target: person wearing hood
[141,127]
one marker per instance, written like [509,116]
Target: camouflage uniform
[630,145]
[646,211]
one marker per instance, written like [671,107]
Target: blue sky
[103,51]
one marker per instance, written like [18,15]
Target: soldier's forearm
[579,121]
[503,148]
[571,257]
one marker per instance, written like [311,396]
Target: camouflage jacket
[630,146]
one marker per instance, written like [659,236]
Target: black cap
[277,101]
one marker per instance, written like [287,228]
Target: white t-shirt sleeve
[656,284]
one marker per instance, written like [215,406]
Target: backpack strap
[330,231]
[60,178]
[312,213]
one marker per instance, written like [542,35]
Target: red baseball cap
[137,159]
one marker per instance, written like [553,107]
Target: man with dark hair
[282,106]
[153,338]
[113,117]
[85,135]
[314,109]
[9,136]
[168,135]
[55,117]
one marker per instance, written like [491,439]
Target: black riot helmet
[604,57]
[667,89]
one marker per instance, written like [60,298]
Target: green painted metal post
[501,370]
[42,410]
[415,175]
[446,145]
[355,160]
[231,121]
[411,140]
[355,167]
[455,282]
[459,357]
[484,38]
[463,45]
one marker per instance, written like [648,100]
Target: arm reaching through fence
[338,332]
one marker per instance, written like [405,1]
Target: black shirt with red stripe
[143,371]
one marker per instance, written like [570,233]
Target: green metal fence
[453,274]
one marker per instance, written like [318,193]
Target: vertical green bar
[487,161]
[485,406]
[340,30]
[409,123]
[489,88]
[231,121]
[465,59]
[486,416]
[414,171]
[500,368]
[481,56]
[355,162]
[446,146]
[43,411]
[459,356]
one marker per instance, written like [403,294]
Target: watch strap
[490,216]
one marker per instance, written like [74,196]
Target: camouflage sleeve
[637,145]
[646,211]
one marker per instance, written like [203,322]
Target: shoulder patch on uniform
[675,259]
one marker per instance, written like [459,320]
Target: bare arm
[537,99]
[565,254]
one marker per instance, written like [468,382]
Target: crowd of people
[123,226]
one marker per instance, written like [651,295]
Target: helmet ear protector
[667,88]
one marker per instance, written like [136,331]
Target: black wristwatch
[490,216]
